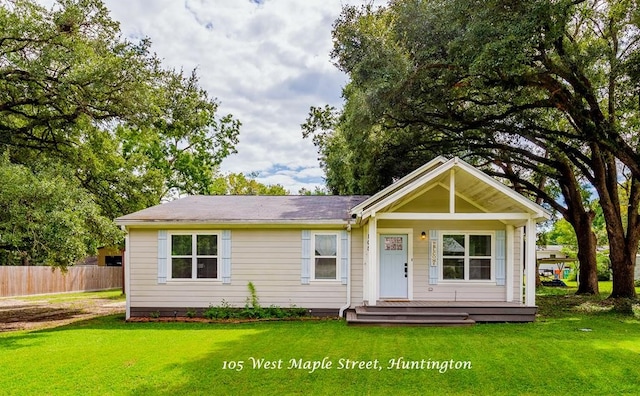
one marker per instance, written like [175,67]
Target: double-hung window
[325,250]
[467,256]
[194,256]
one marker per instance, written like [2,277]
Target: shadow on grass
[559,303]
[18,341]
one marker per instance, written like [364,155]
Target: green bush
[252,309]
[222,311]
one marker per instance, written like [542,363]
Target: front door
[394,268]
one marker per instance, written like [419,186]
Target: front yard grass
[568,350]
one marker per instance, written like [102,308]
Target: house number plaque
[393,243]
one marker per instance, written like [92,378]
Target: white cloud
[266,61]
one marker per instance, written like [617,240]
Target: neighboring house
[553,262]
[445,245]
[109,256]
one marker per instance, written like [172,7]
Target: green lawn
[578,347]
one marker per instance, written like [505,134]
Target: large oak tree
[541,93]
[77,96]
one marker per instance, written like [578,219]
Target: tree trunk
[623,248]
[587,243]
[582,221]
[623,241]
[622,264]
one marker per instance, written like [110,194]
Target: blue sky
[267,62]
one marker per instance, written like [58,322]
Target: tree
[239,184]
[539,93]
[47,219]
[63,67]
[185,141]
[316,191]
[77,97]
[72,90]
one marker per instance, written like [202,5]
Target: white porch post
[373,260]
[510,261]
[530,286]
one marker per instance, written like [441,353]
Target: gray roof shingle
[248,208]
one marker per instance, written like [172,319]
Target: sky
[266,61]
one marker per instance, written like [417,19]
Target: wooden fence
[27,280]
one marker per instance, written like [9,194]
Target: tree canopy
[240,184]
[76,96]
[543,94]
[47,218]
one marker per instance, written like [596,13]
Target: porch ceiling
[491,200]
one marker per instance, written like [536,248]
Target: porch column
[373,260]
[530,282]
[510,261]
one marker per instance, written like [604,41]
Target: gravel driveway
[30,314]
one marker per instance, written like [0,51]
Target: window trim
[466,256]
[194,256]
[313,257]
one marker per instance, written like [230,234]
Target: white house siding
[270,259]
[357,267]
[445,291]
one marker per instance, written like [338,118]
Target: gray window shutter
[433,257]
[306,257]
[500,258]
[162,256]
[344,258]
[225,256]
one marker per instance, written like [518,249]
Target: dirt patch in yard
[29,314]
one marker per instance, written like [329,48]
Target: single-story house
[445,244]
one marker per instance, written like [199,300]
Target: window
[194,256]
[325,248]
[466,256]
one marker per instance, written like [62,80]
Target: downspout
[348,303]
[127,272]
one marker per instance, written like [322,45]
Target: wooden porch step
[390,318]
[480,312]
[392,313]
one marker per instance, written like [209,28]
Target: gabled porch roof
[472,195]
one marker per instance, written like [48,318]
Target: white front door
[394,270]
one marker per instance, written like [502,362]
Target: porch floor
[439,313]
[421,303]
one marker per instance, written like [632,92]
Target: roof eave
[239,223]
[408,179]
